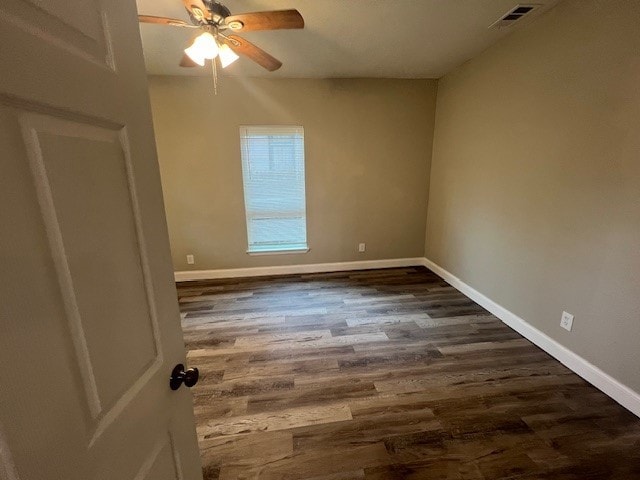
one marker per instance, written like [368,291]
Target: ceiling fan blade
[187,62]
[275,20]
[198,9]
[163,21]
[248,49]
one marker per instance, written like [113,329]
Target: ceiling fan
[218,37]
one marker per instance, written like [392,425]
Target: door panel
[88,309]
[77,28]
[162,464]
[83,17]
[86,200]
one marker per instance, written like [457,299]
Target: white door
[89,324]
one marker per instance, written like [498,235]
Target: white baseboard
[295,269]
[622,394]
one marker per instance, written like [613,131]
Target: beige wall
[367,145]
[535,180]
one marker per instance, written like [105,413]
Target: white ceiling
[347,38]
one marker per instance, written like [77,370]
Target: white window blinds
[274,198]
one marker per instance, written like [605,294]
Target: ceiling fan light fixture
[203,47]
[227,56]
[215,19]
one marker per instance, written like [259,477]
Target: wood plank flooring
[386,374]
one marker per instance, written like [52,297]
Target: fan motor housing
[218,11]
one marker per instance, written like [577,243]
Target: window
[273,175]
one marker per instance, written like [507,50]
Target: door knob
[179,376]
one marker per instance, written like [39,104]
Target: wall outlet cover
[190,259]
[566,321]
[362,247]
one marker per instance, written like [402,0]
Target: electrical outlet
[362,247]
[190,259]
[566,321]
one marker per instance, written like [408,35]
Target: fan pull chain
[214,71]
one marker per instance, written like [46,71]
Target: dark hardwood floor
[386,374]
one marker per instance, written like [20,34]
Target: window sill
[286,251]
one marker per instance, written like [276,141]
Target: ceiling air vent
[513,15]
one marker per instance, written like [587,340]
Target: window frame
[283,249]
